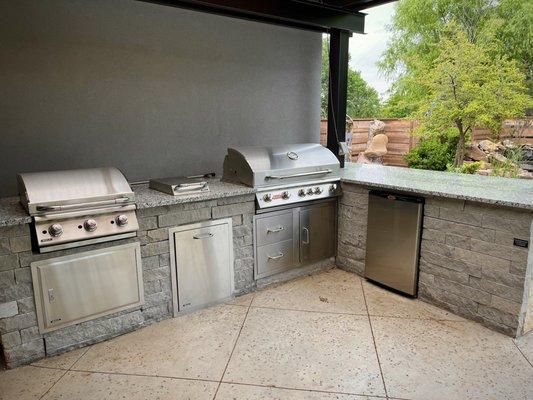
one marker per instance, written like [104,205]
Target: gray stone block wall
[19,336]
[351,240]
[468,263]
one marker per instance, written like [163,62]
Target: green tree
[362,99]
[512,28]
[504,26]
[465,87]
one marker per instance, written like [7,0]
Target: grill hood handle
[65,207]
[325,171]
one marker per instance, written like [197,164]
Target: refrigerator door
[393,240]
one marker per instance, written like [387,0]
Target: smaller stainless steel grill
[284,174]
[78,207]
[182,185]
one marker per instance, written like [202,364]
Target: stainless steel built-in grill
[296,208]
[78,207]
[286,174]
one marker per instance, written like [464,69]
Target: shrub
[509,168]
[467,168]
[435,151]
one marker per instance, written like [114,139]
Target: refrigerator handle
[306,231]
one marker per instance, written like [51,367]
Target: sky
[365,50]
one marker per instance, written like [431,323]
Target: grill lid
[53,191]
[280,165]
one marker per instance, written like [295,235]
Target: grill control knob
[318,190]
[333,187]
[121,220]
[301,192]
[90,225]
[267,197]
[55,230]
[310,191]
[285,195]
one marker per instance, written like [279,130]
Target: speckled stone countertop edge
[11,221]
[12,213]
[503,192]
[414,191]
[150,198]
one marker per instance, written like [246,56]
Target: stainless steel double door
[292,237]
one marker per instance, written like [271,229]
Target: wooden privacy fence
[401,140]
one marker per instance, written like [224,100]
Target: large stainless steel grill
[296,208]
[78,207]
[284,174]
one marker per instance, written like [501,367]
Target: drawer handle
[280,255]
[281,228]
[204,236]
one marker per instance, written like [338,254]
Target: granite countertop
[507,192]
[12,212]
[148,198]
[485,189]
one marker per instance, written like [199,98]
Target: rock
[377,127]
[474,153]
[498,157]
[525,175]
[484,172]
[487,146]
[361,159]
[527,166]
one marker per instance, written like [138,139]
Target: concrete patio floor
[322,337]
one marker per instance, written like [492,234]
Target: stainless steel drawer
[274,258]
[79,287]
[274,228]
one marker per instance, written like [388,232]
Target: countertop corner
[507,192]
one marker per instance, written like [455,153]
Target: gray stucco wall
[152,90]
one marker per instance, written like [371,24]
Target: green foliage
[435,151]
[511,166]
[363,100]
[467,168]
[503,28]
[512,29]
[465,88]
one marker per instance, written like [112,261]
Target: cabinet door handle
[280,255]
[306,231]
[274,230]
[204,236]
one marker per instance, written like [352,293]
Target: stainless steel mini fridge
[393,240]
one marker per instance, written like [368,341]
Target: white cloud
[365,50]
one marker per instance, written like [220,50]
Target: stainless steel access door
[79,287]
[317,231]
[203,260]
[393,240]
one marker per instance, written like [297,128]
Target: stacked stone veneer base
[468,263]
[19,335]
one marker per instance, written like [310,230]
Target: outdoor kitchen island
[156,212]
[471,260]
[468,263]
